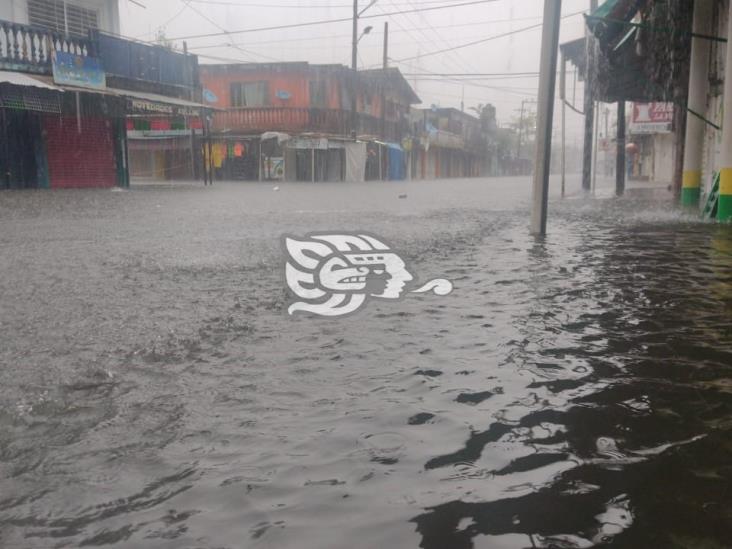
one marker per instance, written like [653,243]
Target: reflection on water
[571,392]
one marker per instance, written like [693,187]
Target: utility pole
[590,69]
[547,84]
[521,127]
[383,85]
[563,97]
[594,154]
[606,169]
[620,161]
[354,72]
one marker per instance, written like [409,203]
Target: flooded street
[572,392]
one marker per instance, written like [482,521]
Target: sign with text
[144,106]
[78,70]
[650,118]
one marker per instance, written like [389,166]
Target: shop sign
[648,118]
[77,70]
[142,105]
[308,143]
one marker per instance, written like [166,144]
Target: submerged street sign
[78,70]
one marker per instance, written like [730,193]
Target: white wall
[17,11]
[663,157]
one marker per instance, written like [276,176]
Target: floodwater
[571,392]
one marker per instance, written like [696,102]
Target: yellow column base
[724,210]
[690,190]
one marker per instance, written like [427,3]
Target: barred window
[63,17]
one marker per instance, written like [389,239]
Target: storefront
[61,138]
[651,153]
[165,136]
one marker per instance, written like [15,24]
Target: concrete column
[725,175]
[698,90]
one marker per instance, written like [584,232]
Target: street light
[366,31]
[354,61]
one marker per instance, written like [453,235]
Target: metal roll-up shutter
[80,158]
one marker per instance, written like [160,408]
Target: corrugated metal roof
[22,79]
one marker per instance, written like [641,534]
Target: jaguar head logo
[336,274]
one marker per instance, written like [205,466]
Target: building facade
[69,87]
[294,121]
[448,143]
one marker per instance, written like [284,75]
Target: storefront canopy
[153,103]
[24,92]
[609,22]
[22,79]
[138,103]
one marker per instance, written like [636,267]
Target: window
[63,17]
[318,94]
[250,94]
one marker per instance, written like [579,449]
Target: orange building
[304,112]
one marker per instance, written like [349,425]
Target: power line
[327,21]
[309,6]
[456,56]
[169,21]
[481,41]
[215,24]
[294,41]
[473,74]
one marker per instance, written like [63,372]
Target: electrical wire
[310,6]
[215,24]
[483,40]
[395,31]
[327,21]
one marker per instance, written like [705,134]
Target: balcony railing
[28,48]
[300,120]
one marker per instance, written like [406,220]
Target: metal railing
[301,120]
[28,48]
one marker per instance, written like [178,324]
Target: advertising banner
[78,70]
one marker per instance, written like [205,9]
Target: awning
[153,103]
[141,103]
[23,92]
[610,21]
[22,79]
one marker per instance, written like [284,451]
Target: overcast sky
[413,37]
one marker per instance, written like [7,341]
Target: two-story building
[69,87]
[449,143]
[295,121]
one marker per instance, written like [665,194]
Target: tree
[164,41]
[487,114]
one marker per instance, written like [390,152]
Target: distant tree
[487,114]
[164,41]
